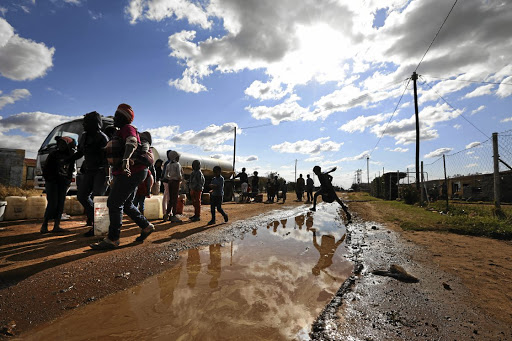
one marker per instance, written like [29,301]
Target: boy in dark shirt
[327,191]
[216,195]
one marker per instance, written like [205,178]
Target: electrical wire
[387,124]
[451,106]
[435,36]
[469,81]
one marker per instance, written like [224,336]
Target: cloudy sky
[320,82]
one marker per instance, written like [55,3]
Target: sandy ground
[464,289]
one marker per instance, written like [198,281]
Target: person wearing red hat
[57,172]
[127,177]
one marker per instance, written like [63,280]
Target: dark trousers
[174,192]
[56,196]
[92,184]
[216,203]
[122,191]
[139,202]
[310,194]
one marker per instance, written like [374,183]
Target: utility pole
[416,114]
[368,168]
[234,151]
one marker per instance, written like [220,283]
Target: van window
[72,129]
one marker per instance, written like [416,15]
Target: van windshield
[72,129]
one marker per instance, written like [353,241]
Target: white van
[72,129]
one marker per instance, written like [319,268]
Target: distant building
[15,170]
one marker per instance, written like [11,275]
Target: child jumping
[327,191]
[216,195]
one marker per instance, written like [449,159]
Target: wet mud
[413,301]
[271,282]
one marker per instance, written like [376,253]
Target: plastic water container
[3,204]
[16,208]
[180,204]
[205,198]
[36,206]
[76,207]
[153,208]
[101,217]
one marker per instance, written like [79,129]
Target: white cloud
[20,58]
[159,10]
[15,95]
[289,110]
[473,144]
[74,2]
[457,126]
[508,119]
[404,131]
[398,150]
[362,122]
[438,152]
[360,156]
[472,165]
[321,144]
[3,10]
[505,90]
[264,91]
[314,159]
[480,91]
[477,110]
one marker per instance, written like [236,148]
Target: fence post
[496,156]
[445,183]
[397,184]
[422,188]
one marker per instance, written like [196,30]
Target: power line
[469,81]
[435,36]
[451,106]
[387,124]
[259,126]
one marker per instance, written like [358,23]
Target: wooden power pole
[414,79]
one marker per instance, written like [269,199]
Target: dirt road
[45,276]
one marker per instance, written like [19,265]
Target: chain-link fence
[469,175]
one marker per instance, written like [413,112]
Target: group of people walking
[121,159]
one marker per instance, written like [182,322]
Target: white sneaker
[65,216]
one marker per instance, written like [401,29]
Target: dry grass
[468,219]
[6,191]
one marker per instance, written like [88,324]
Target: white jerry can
[16,208]
[153,208]
[36,206]
[101,217]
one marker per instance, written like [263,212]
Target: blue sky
[318,81]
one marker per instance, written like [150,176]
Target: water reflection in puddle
[270,285]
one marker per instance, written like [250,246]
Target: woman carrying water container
[127,177]
[58,172]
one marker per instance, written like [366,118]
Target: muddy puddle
[269,285]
